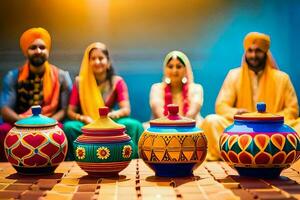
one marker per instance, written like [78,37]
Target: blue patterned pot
[259,144]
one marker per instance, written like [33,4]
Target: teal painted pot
[260,144]
[103,149]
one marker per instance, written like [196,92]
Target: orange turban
[32,34]
[262,40]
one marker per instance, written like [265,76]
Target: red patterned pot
[259,144]
[36,145]
[104,149]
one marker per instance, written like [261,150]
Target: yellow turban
[262,40]
[32,34]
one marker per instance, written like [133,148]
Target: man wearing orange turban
[37,82]
[257,79]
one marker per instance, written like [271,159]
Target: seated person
[257,79]
[97,86]
[177,87]
[37,82]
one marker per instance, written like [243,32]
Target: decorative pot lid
[36,119]
[103,123]
[173,119]
[259,115]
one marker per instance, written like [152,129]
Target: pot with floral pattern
[259,144]
[36,145]
[104,149]
[173,146]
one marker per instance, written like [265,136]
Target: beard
[260,62]
[37,60]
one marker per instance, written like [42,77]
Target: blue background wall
[140,33]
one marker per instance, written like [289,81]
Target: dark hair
[110,71]
[177,57]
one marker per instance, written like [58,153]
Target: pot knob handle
[261,107]
[36,110]
[173,110]
[103,111]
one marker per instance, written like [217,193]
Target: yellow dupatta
[267,87]
[89,95]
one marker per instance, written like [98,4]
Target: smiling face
[98,61]
[175,70]
[37,53]
[255,58]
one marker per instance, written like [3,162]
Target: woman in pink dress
[97,86]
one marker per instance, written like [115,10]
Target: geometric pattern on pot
[172,148]
[260,149]
[35,147]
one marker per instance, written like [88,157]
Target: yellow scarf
[90,97]
[266,91]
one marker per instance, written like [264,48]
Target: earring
[167,80]
[184,80]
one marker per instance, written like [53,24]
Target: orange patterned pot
[173,145]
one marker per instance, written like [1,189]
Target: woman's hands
[114,114]
[83,118]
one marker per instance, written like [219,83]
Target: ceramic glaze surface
[173,146]
[260,146]
[103,149]
[36,145]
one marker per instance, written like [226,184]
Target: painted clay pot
[259,144]
[36,145]
[104,149]
[173,146]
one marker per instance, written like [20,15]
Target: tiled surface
[212,180]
